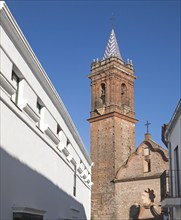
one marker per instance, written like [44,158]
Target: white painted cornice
[175,117]
[1,4]
[66,151]
[6,85]
[14,32]
[80,167]
[51,135]
[29,111]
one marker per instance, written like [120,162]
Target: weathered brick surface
[111,146]
[112,131]
[132,181]
[103,172]
[129,194]
[119,175]
[135,165]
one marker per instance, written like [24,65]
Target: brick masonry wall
[135,165]
[103,190]
[112,146]
[132,181]
[129,195]
[124,141]
[112,124]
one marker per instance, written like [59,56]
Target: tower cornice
[110,64]
[113,114]
[109,75]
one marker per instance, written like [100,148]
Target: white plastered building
[171,180]
[45,171]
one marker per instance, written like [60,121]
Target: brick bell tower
[112,126]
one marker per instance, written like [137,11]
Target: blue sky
[67,35]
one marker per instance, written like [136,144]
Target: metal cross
[112,20]
[147,125]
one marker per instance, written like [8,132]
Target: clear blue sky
[67,35]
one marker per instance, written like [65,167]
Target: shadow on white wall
[23,187]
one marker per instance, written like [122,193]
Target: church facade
[126,178]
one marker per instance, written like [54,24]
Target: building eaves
[175,116]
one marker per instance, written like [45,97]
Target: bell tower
[112,125]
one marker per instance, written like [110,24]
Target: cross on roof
[147,125]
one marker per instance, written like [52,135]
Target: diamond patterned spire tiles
[112,48]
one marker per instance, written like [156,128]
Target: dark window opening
[177,172]
[16,79]
[58,128]
[124,95]
[75,175]
[26,216]
[39,107]
[147,165]
[103,93]
[123,89]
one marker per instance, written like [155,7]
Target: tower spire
[112,48]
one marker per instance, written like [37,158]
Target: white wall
[174,139]
[33,174]
[36,171]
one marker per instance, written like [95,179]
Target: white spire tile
[112,49]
